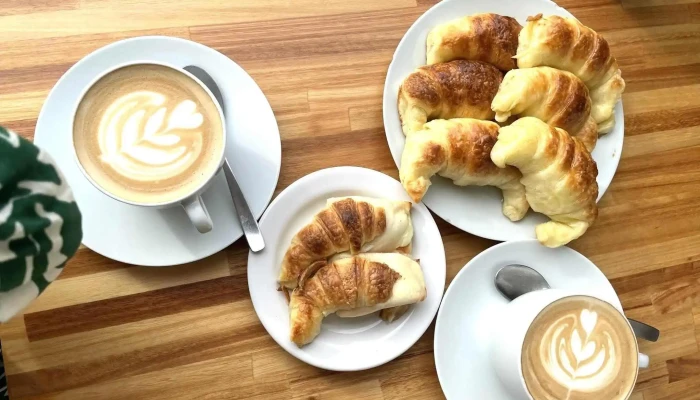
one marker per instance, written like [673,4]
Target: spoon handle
[644,331]
[248,222]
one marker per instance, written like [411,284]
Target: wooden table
[106,330]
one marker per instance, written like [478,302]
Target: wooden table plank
[106,330]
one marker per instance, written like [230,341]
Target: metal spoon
[245,216]
[515,280]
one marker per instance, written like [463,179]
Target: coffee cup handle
[643,360]
[198,214]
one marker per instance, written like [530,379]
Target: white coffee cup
[191,202]
[509,336]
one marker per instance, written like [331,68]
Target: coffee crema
[579,348]
[148,134]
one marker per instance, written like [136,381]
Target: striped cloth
[40,224]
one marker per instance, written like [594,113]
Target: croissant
[368,281]
[459,149]
[490,38]
[457,89]
[353,223]
[559,175]
[387,314]
[567,44]
[556,97]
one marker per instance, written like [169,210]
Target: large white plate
[477,210]
[472,304]
[344,344]
[143,236]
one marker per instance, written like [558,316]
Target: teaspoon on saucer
[245,216]
[515,280]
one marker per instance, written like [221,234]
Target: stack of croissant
[351,259]
[551,88]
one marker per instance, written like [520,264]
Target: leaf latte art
[574,356]
[141,139]
[148,134]
[579,348]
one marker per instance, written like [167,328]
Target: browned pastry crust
[570,104]
[459,149]
[559,175]
[345,284]
[588,134]
[490,38]
[573,159]
[347,224]
[456,89]
[567,44]
[578,47]
[557,97]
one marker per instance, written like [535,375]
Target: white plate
[464,322]
[344,344]
[477,210]
[151,237]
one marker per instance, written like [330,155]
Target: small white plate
[477,210]
[344,344]
[471,303]
[143,236]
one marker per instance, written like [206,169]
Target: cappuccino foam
[148,134]
[579,348]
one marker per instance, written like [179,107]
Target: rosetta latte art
[579,352]
[149,134]
[579,348]
[142,140]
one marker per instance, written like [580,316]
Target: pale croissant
[490,38]
[459,149]
[559,175]
[457,89]
[556,97]
[567,44]
[355,224]
[369,281]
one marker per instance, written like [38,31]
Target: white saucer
[477,210]
[151,237]
[471,303]
[344,344]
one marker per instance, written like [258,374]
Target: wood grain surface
[106,330]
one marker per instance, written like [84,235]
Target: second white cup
[510,332]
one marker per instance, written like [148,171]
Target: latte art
[148,134]
[579,348]
[576,357]
[141,139]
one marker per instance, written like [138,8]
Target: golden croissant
[559,175]
[387,314]
[459,149]
[567,44]
[556,97]
[352,224]
[368,281]
[457,89]
[490,38]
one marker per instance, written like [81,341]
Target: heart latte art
[148,134]
[579,348]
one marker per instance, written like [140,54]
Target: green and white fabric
[40,224]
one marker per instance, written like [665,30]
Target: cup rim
[181,70]
[565,296]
